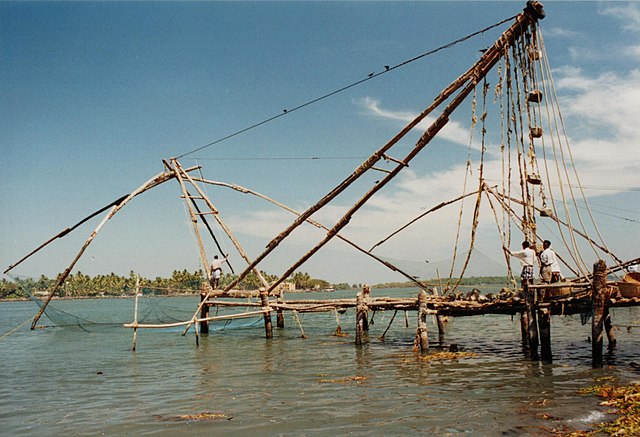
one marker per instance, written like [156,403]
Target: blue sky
[95,94]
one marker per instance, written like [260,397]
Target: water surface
[88,381]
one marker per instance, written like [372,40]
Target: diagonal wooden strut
[153,182]
[527,18]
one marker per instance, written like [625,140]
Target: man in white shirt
[549,266]
[527,258]
[216,270]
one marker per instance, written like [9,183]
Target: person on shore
[549,266]
[527,257]
[216,270]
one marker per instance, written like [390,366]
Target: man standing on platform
[549,266]
[216,270]
[527,257]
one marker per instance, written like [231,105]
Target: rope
[15,329]
[476,211]
[584,198]
[467,172]
[555,135]
[371,76]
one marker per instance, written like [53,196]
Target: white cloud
[453,131]
[629,14]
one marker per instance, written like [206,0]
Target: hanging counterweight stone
[534,96]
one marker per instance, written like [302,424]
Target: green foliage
[473,281]
[79,284]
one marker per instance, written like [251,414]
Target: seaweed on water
[204,416]
[624,401]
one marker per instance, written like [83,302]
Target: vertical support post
[598,302]
[532,325]
[544,326]
[264,298]
[608,327]
[421,342]
[440,321]
[366,293]
[361,317]
[524,330]
[204,313]
[280,312]
[135,313]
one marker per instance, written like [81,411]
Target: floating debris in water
[205,416]
[356,379]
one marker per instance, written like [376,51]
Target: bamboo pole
[482,67]
[532,322]
[544,327]
[135,312]
[66,231]
[566,225]
[433,209]
[317,225]
[222,224]
[361,315]
[224,227]
[264,298]
[598,299]
[187,322]
[154,181]
[421,342]
[529,16]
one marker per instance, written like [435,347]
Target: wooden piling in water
[280,312]
[361,318]
[421,342]
[532,323]
[608,327]
[135,312]
[366,293]
[524,331]
[544,326]
[204,313]
[598,301]
[268,328]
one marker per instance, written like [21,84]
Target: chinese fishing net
[99,311]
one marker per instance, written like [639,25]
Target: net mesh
[155,306]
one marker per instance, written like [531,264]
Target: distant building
[285,287]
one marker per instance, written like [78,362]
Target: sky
[94,95]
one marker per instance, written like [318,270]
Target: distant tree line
[180,282]
[471,281]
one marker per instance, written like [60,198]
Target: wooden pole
[544,326]
[316,224]
[280,312]
[361,316]
[464,85]
[135,312]
[524,331]
[156,180]
[532,325]
[608,327]
[204,313]
[440,321]
[366,294]
[421,342]
[264,298]
[598,301]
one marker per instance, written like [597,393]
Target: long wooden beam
[153,182]
[66,231]
[528,17]
[317,225]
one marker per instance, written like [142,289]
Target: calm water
[73,381]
